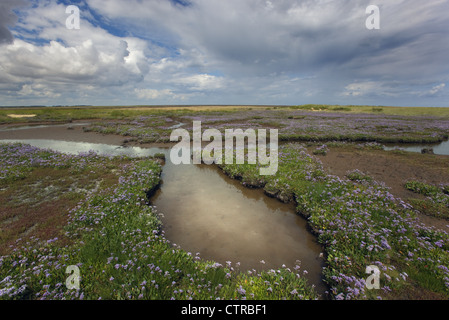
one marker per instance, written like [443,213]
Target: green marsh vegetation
[303,123]
[116,239]
[359,223]
[436,198]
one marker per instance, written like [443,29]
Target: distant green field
[387,110]
[36,114]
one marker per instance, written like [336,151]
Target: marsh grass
[115,239]
[123,252]
[360,223]
[38,186]
[295,123]
[358,176]
[321,150]
[436,201]
[388,110]
[127,112]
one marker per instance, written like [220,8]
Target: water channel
[206,212]
[441,148]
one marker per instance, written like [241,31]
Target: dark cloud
[289,36]
[233,51]
[8,18]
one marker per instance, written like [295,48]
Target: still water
[440,148]
[206,212]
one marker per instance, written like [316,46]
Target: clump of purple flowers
[359,222]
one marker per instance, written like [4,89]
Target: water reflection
[207,212]
[73,147]
[441,148]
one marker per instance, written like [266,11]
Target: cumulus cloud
[38,90]
[52,61]
[292,36]
[282,52]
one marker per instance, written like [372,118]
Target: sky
[216,52]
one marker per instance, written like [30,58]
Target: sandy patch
[21,115]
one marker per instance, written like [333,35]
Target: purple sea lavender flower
[241,291]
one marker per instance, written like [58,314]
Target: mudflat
[394,169]
[64,132]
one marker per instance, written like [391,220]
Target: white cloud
[50,61]
[210,51]
[361,88]
[38,90]
[201,82]
[259,37]
[58,62]
[152,94]
[437,88]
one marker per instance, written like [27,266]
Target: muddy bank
[63,132]
[393,169]
[390,167]
[204,211]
